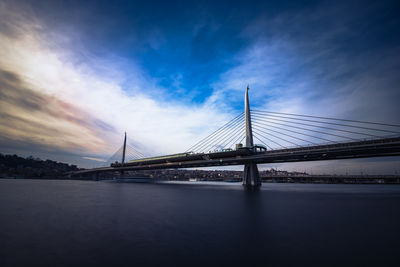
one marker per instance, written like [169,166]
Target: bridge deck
[360,149]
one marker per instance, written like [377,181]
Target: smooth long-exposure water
[69,223]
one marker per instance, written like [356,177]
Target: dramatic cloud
[294,64]
[50,99]
[32,116]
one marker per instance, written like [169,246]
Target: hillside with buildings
[13,166]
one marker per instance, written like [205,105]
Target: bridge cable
[215,132]
[257,116]
[239,133]
[129,157]
[134,153]
[137,153]
[135,150]
[234,135]
[225,136]
[273,136]
[329,118]
[236,141]
[259,127]
[332,123]
[316,131]
[209,144]
[241,141]
[118,153]
[216,138]
[321,138]
[131,152]
[262,141]
[283,139]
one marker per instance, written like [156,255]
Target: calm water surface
[70,223]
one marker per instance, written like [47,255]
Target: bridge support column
[251,177]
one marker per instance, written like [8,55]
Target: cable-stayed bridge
[256,136]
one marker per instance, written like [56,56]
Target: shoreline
[388,180]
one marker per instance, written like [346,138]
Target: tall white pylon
[251,177]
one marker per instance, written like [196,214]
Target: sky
[75,75]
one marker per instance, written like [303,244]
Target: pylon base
[251,177]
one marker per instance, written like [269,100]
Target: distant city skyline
[75,76]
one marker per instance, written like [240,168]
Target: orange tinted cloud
[30,116]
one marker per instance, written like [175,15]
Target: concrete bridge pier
[251,177]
